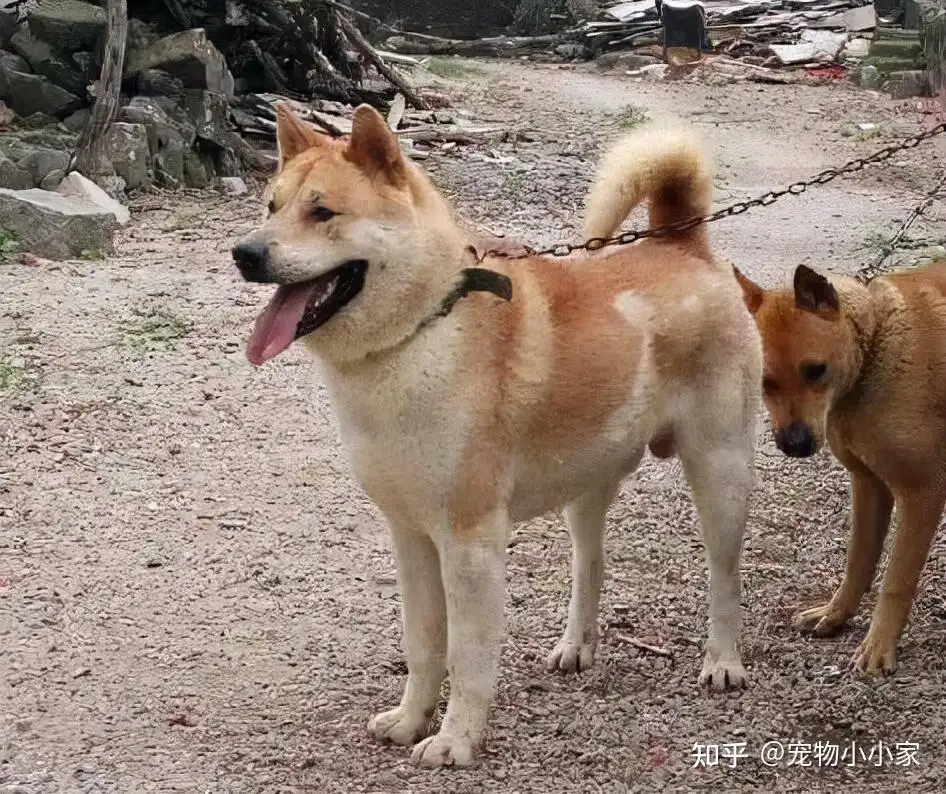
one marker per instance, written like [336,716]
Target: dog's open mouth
[298,309]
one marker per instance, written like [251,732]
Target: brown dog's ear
[374,148]
[814,293]
[752,293]
[293,135]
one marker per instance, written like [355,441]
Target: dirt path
[194,596]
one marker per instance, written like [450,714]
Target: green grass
[155,330]
[630,117]
[11,375]
[8,246]
[454,68]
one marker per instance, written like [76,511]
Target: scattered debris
[643,646]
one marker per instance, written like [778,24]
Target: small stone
[53,179]
[82,672]
[233,186]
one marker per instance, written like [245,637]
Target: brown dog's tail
[665,165]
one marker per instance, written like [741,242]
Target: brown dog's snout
[251,258]
[795,440]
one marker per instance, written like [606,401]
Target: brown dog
[864,367]
[474,394]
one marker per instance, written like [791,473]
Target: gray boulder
[14,62]
[189,56]
[7,27]
[69,25]
[46,61]
[165,142]
[41,162]
[55,226]
[157,82]
[127,149]
[13,176]
[76,122]
[33,93]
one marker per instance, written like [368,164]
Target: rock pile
[172,128]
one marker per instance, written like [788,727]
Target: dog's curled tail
[663,164]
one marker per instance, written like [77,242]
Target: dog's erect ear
[752,293]
[814,293]
[293,135]
[374,148]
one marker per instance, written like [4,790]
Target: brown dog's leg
[872,504]
[919,516]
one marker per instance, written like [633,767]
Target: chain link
[875,267]
[765,200]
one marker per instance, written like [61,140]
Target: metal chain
[874,268]
[794,189]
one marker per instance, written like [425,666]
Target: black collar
[473,279]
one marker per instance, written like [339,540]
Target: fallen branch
[360,43]
[643,646]
[433,135]
[497,46]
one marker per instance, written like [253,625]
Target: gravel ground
[195,596]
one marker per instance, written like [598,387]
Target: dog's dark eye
[322,214]
[769,386]
[271,207]
[812,373]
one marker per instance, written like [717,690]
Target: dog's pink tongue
[275,328]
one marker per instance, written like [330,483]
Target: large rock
[208,111]
[157,82]
[127,149]
[46,61]
[41,162]
[7,27]
[188,55]
[165,142]
[69,25]
[33,93]
[55,226]
[13,176]
[80,187]
[14,62]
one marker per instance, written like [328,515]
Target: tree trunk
[89,158]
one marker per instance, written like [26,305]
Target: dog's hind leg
[425,637]
[473,563]
[575,651]
[717,446]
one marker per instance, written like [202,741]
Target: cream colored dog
[474,395]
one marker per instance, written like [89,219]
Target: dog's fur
[501,411]
[880,403]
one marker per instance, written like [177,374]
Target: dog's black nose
[251,259]
[796,440]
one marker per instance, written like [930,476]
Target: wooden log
[360,43]
[89,157]
[497,46]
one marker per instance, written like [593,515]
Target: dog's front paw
[570,657]
[721,673]
[823,621]
[876,654]
[443,749]
[398,725]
